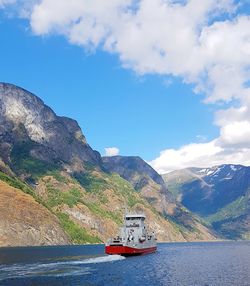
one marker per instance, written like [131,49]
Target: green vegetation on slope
[124,188]
[77,234]
[57,197]
[232,210]
[99,211]
[57,175]
[16,183]
[95,182]
[98,185]
[232,220]
[91,183]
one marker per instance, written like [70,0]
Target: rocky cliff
[30,130]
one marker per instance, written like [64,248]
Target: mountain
[49,171]
[150,185]
[135,170]
[220,195]
[143,178]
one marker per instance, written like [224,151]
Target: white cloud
[111,151]
[199,155]
[186,156]
[206,43]
[226,51]
[236,133]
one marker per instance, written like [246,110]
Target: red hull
[126,251]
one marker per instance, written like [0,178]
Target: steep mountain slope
[219,194]
[26,222]
[143,178]
[48,158]
[87,215]
[133,169]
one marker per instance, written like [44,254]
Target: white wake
[62,268]
[101,259]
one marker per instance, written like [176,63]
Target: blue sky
[140,115]
[133,98]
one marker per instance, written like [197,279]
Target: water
[201,264]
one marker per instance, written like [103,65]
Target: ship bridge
[134,220]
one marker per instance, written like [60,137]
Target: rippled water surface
[217,263]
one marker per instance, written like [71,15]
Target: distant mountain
[220,195]
[46,162]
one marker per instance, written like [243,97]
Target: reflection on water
[184,264]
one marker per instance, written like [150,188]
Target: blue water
[217,263]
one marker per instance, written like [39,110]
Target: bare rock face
[26,121]
[25,222]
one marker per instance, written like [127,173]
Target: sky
[165,80]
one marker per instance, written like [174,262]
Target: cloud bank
[206,43]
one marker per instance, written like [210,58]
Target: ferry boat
[134,238]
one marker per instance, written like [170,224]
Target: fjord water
[211,263]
